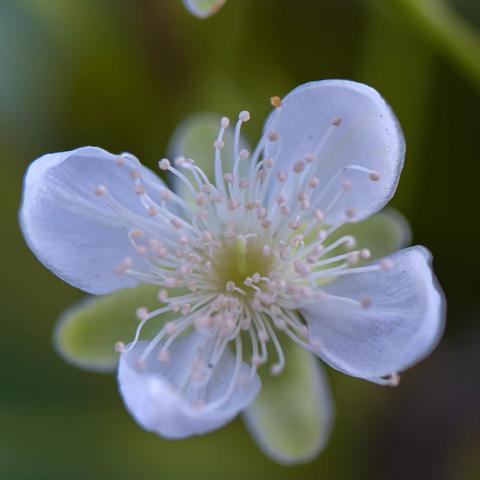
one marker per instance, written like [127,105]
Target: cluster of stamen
[238,261]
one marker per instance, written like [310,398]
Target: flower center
[237,265]
[238,260]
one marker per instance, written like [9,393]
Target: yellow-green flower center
[240,259]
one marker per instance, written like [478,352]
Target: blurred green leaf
[439,24]
[97,52]
[203,8]
[86,334]
[293,414]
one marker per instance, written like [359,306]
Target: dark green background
[122,74]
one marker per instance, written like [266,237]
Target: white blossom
[249,260]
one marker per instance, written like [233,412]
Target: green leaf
[86,334]
[293,414]
[203,8]
[382,233]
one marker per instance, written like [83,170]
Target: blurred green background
[122,74]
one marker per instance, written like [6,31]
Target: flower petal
[86,334]
[291,419]
[203,8]
[163,398]
[401,326]
[72,231]
[351,131]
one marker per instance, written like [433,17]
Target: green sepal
[382,233]
[86,334]
[292,416]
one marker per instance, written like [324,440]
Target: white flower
[246,260]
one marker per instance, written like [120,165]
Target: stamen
[101,191]
[164,164]
[276,101]
[276,368]
[386,264]
[366,302]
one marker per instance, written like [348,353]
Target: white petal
[70,229]
[203,8]
[163,400]
[368,136]
[401,326]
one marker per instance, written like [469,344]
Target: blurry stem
[398,65]
[440,25]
